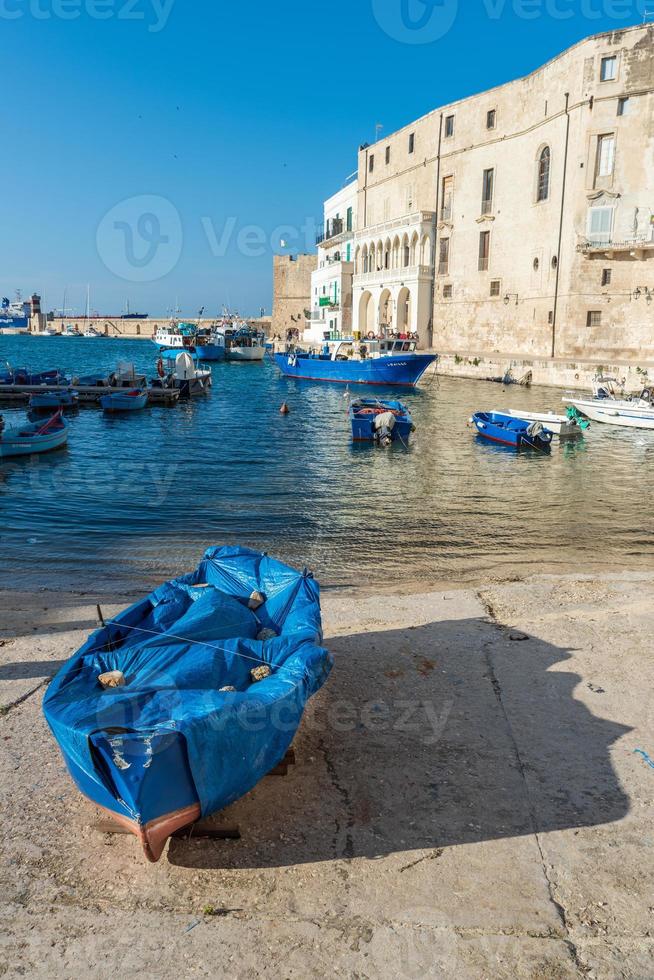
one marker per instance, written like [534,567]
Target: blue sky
[193,131]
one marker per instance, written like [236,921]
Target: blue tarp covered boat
[511,431]
[34,437]
[188,727]
[22,376]
[379,421]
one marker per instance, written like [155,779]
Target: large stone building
[291,292]
[520,220]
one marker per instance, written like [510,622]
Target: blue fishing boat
[382,422]
[45,400]
[22,376]
[386,362]
[210,344]
[172,710]
[34,437]
[124,401]
[511,431]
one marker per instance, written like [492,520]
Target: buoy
[284,410]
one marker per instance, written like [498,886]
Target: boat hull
[13,444]
[401,371]
[364,413]
[505,430]
[559,425]
[118,402]
[210,352]
[245,354]
[609,412]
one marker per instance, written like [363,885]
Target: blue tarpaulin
[169,737]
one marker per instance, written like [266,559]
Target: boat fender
[112,678]
[256,600]
[160,368]
[260,673]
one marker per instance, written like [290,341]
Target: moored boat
[124,401]
[381,422]
[244,344]
[391,362]
[210,344]
[54,399]
[182,370]
[510,431]
[564,426]
[172,710]
[180,335]
[633,413]
[34,437]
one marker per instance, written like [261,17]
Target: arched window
[544,174]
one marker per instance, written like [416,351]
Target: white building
[331,283]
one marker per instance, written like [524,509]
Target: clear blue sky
[249,112]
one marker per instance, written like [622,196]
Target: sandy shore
[470,799]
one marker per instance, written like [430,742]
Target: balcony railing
[415,218]
[393,275]
[628,245]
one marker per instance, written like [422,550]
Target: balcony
[407,220]
[637,248]
[335,231]
[387,276]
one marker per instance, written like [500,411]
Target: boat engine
[384,424]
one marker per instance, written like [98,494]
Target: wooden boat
[381,422]
[34,437]
[124,401]
[509,431]
[564,426]
[54,399]
[385,362]
[172,710]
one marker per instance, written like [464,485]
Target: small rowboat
[54,399]
[564,426]
[37,437]
[509,431]
[381,422]
[124,401]
[184,701]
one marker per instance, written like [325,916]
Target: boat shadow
[443,734]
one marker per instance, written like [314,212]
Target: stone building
[291,292]
[520,220]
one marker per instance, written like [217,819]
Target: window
[536,264]
[406,256]
[412,142]
[449,126]
[348,252]
[444,257]
[555,262]
[623,107]
[600,225]
[605,155]
[447,291]
[388,155]
[447,192]
[484,250]
[544,160]
[487,192]
[371,163]
[491,118]
[495,287]
[349,219]
[594,318]
[609,69]
[550,317]
[607,275]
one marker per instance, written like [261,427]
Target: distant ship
[14,317]
[133,316]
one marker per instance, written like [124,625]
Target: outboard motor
[384,425]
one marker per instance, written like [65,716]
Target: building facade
[330,310]
[291,293]
[520,220]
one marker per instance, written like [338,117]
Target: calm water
[135,500]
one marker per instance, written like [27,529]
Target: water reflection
[136,499]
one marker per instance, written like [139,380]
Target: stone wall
[291,291]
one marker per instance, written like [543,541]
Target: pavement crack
[6,708]
[347,850]
[433,856]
